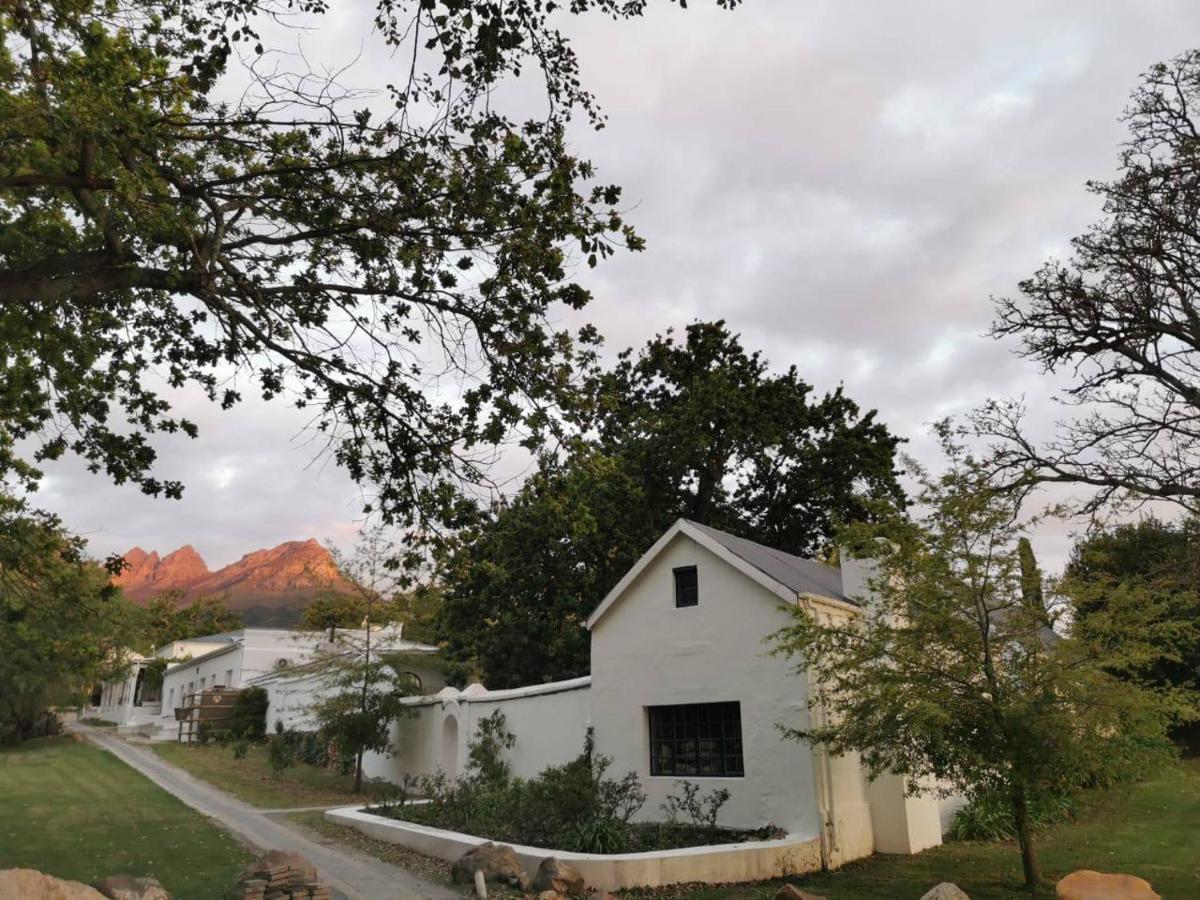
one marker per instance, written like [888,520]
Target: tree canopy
[62,627]
[1120,319]
[954,679]
[1160,563]
[185,203]
[169,617]
[696,428]
[712,434]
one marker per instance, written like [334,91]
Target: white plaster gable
[709,539]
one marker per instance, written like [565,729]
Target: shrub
[241,747]
[281,749]
[702,812]
[250,714]
[989,817]
[485,753]
[575,806]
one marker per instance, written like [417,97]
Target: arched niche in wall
[449,755]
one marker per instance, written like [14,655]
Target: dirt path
[358,876]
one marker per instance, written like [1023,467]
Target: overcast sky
[847,183]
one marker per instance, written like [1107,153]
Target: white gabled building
[683,686]
[235,659]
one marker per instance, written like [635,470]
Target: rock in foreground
[30,884]
[947,890]
[498,863]
[555,875]
[1088,885]
[127,887]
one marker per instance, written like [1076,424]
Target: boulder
[555,875]
[30,884]
[126,887]
[791,892]
[498,863]
[1088,885]
[945,891]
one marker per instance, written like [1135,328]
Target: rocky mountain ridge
[280,580]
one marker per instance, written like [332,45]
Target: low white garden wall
[715,864]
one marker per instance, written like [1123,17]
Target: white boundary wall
[549,722]
[715,864]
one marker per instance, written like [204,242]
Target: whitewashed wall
[548,721]
[645,652]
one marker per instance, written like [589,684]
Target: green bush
[574,807]
[249,719]
[281,749]
[989,817]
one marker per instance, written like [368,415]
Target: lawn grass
[251,779]
[77,812]
[1151,829]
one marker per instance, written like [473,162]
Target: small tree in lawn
[363,692]
[952,678]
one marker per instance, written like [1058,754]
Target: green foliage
[697,428]
[521,582]
[485,753]
[701,811]
[989,817]
[1154,565]
[575,806]
[334,609]
[417,608]
[950,678]
[361,691]
[170,617]
[240,747]
[281,749]
[62,628]
[249,721]
[171,212]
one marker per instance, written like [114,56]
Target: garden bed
[723,863]
[638,837]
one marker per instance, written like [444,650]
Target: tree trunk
[358,772]
[1020,804]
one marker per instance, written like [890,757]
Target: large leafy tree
[694,428]
[171,617]
[712,434]
[62,627]
[1159,561]
[952,677]
[1120,319]
[520,583]
[183,202]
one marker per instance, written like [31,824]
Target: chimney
[858,574]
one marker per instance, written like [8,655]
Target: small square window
[687,587]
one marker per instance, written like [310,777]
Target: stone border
[715,864]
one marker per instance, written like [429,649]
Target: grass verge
[250,779]
[77,812]
[1150,829]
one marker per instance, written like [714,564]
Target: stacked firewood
[280,876]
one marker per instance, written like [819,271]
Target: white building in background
[235,659]
[682,687]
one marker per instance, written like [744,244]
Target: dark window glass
[687,588]
[697,739]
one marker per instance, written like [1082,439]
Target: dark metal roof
[804,576]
